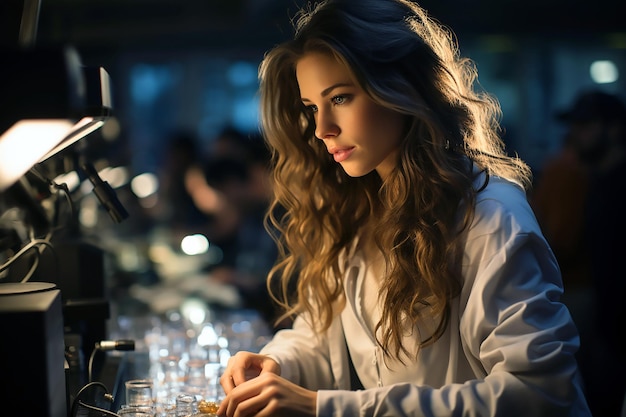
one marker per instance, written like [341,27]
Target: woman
[424,285]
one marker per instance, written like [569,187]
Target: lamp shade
[43,94]
[98,108]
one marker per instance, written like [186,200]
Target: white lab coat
[508,350]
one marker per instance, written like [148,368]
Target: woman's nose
[325,125]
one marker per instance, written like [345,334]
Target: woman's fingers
[246,393]
[251,398]
[268,395]
[244,366]
[227,383]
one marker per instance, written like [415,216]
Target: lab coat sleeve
[303,356]
[519,339]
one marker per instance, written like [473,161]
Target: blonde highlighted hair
[406,61]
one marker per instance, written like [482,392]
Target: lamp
[48,101]
[96,111]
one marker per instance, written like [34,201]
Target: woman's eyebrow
[328,90]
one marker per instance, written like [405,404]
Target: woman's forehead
[317,72]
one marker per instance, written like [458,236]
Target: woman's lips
[341,154]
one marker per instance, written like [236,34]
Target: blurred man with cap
[596,123]
[580,201]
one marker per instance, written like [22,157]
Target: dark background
[191,65]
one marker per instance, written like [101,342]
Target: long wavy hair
[405,61]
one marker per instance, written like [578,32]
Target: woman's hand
[268,394]
[244,366]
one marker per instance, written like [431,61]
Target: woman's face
[361,135]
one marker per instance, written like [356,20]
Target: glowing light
[88,214]
[160,253]
[208,336]
[25,143]
[194,244]
[71,179]
[144,185]
[193,310]
[604,72]
[116,177]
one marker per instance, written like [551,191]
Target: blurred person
[175,209]
[233,189]
[558,199]
[579,206]
[579,200]
[600,120]
[424,283]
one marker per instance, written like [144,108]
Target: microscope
[53,305]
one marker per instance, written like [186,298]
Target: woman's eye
[339,99]
[311,108]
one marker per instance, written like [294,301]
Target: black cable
[45,243]
[90,365]
[30,245]
[33,267]
[100,410]
[66,192]
[62,187]
[77,402]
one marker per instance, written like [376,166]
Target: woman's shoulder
[498,188]
[502,204]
